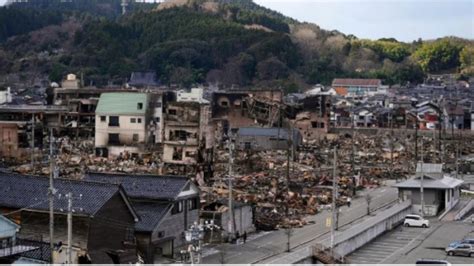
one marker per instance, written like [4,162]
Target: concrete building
[194,95]
[5,95]
[441,192]
[311,115]
[121,123]
[183,132]
[234,109]
[263,139]
[358,88]
[71,82]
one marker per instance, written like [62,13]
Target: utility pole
[290,135]
[416,136]
[391,145]
[33,140]
[69,228]
[422,195]
[353,152]
[51,194]
[231,203]
[334,195]
[457,158]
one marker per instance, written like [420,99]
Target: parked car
[433,261]
[464,241]
[415,220]
[461,249]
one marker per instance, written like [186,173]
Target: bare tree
[368,199]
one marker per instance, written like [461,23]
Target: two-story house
[102,217]
[121,123]
[166,206]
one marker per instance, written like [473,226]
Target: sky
[405,20]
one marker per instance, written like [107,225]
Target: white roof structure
[428,182]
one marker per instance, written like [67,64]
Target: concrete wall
[243,220]
[467,208]
[359,235]
[369,230]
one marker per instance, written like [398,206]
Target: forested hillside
[230,42]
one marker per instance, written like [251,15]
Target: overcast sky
[405,20]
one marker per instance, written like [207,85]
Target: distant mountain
[196,41]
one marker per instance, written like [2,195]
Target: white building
[194,95]
[440,192]
[5,96]
[121,123]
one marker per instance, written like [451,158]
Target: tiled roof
[150,213]
[144,186]
[122,103]
[18,191]
[356,82]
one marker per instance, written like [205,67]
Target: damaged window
[140,106]
[172,111]
[190,154]
[178,153]
[114,121]
[114,139]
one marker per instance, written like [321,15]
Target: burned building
[234,109]
[184,132]
[311,116]
[20,124]
[266,139]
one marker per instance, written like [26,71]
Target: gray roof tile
[151,213]
[144,186]
[19,191]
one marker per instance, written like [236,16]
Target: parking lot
[405,245]
[386,245]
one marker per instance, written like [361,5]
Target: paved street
[266,245]
[405,245]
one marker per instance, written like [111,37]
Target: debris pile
[75,157]
[260,178]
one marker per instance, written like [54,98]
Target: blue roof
[144,186]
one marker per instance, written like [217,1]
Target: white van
[415,220]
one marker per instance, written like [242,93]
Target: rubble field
[283,196]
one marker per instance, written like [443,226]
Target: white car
[415,220]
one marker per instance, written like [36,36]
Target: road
[405,245]
[264,246]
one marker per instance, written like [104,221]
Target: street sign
[328,222]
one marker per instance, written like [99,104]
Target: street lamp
[194,237]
